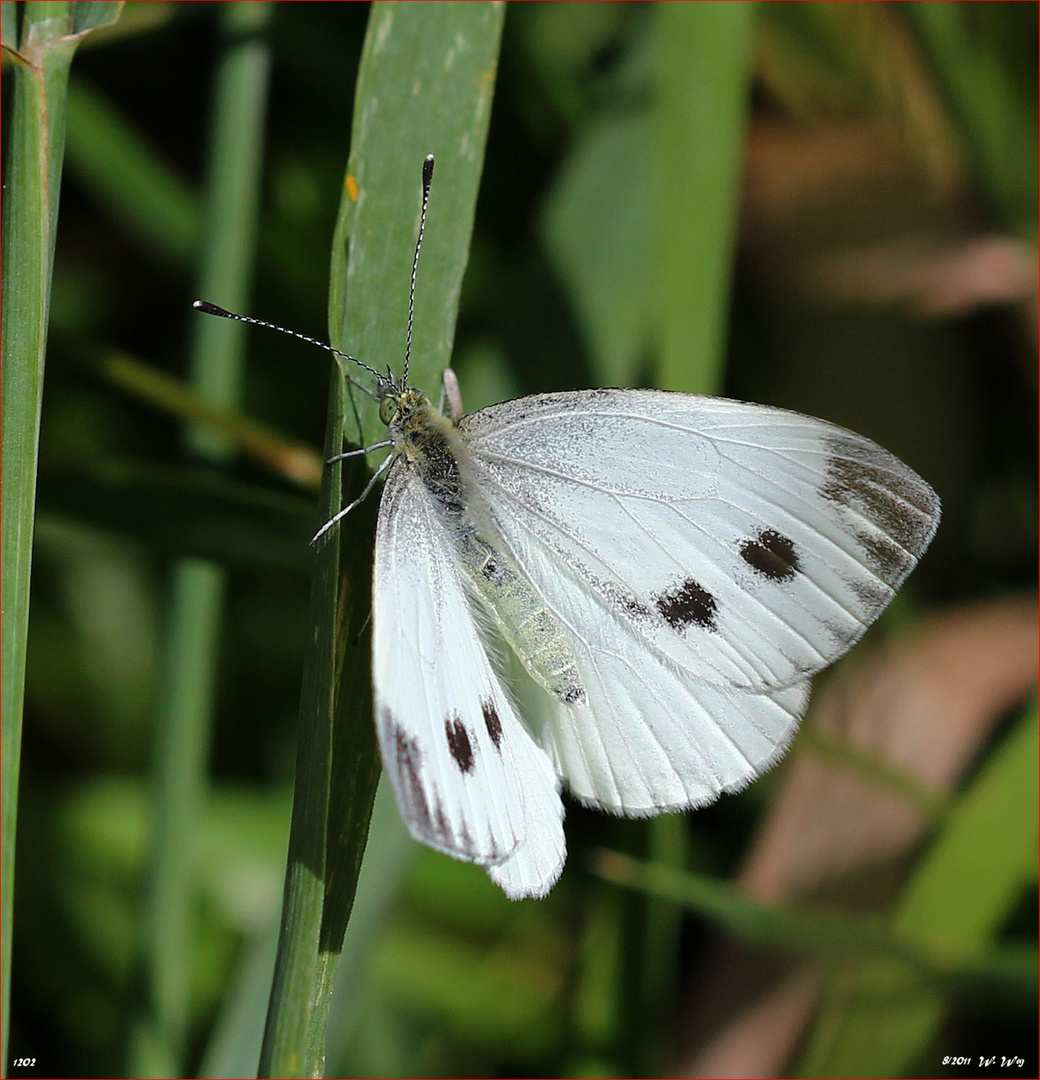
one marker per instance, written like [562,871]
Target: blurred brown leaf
[858,64]
[928,276]
[919,707]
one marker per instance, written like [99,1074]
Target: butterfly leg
[364,450]
[384,465]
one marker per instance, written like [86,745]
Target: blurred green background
[877,269]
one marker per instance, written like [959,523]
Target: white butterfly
[669,569]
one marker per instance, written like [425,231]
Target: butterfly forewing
[747,545]
[469,779]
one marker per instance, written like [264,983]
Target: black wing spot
[459,743]
[426,815]
[686,604]
[408,760]
[492,722]
[772,555]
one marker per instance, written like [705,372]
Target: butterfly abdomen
[531,630]
[431,446]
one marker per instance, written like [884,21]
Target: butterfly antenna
[212,309]
[427,178]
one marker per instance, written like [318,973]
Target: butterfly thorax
[423,439]
[433,448]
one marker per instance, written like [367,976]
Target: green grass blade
[992,829]
[9,23]
[995,112]
[368,311]
[424,86]
[642,224]
[878,1018]
[26,228]
[598,231]
[188,685]
[704,70]
[827,934]
[50,34]
[840,939]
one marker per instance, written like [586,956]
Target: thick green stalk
[42,56]
[424,86]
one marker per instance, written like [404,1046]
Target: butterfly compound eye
[388,410]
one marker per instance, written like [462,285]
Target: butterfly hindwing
[469,779]
[649,736]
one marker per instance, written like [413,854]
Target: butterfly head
[408,415]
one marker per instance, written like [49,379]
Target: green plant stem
[188,687]
[704,73]
[50,34]
[410,102]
